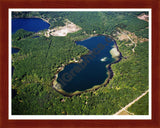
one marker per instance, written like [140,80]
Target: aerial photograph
[79,62]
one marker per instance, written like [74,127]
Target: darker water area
[29,24]
[92,70]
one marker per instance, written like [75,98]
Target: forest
[38,60]
[141,107]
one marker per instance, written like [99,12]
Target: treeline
[20,34]
[94,22]
[55,18]
[18,14]
[44,56]
[127,21]
[107,22]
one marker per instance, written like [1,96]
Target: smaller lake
[35,37]
[29,24]
[15,50]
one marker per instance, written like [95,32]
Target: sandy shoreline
[69,27]
[114,52]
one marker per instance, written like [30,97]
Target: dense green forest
[20,34]
[44,56]
[38,60]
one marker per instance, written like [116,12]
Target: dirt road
[127,106]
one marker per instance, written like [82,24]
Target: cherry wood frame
[4,38]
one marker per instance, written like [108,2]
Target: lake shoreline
[16,47]
[34,17]
[56,86]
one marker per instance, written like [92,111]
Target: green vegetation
[133,71]
[140,107]
[94,22]
[20,34]
[143,33]
[39,59]
[43,56]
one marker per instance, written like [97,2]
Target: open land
[63,30]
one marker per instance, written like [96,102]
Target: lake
[29,24]
[92,71]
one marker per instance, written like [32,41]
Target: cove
[93,71]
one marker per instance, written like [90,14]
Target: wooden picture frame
[4,38]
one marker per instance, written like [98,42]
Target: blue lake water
[29,24]
[15,50]
[92,70]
